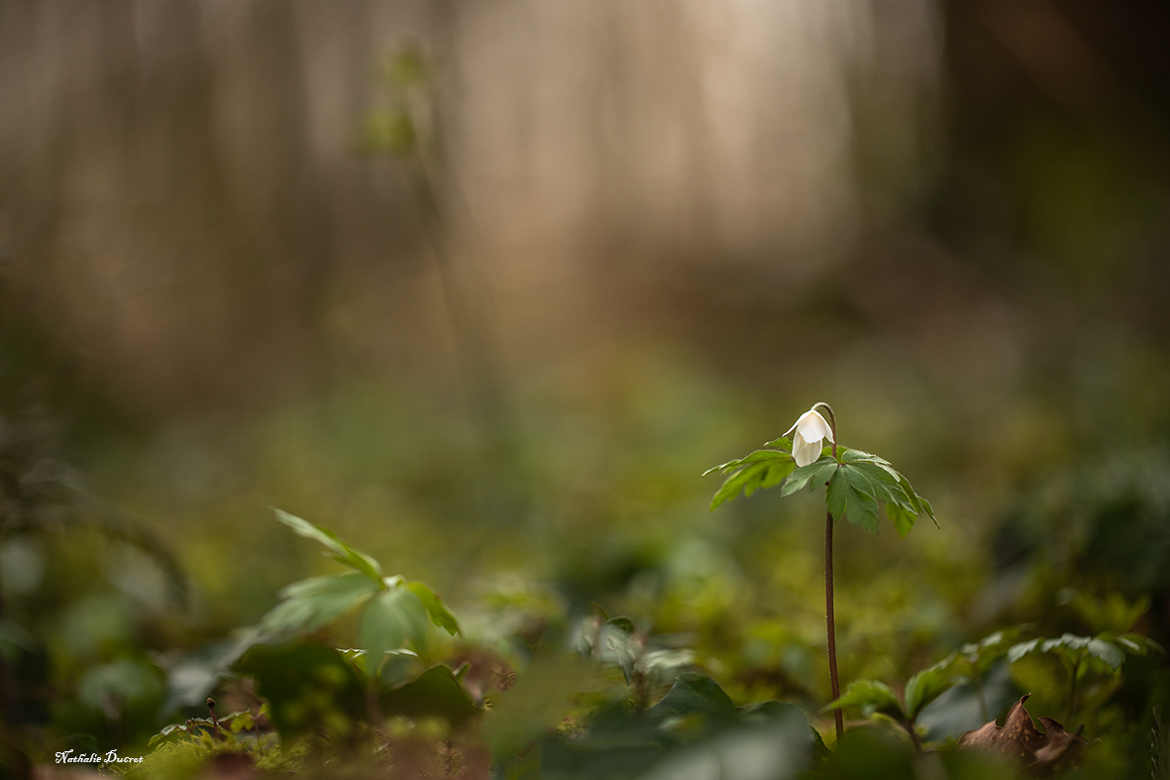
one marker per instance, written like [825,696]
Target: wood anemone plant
[857,485]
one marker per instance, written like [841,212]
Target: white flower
[811,428]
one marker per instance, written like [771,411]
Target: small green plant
[857,485]
[969,663]
[395,611]
[393,628]
[1090,663]
[875,699]
[645,661]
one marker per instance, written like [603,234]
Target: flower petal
[805,452]
[813,426]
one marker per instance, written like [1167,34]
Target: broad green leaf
[436,609]
[849,497]
[342,552]
[903,521]
[695,694]
[884,486]
[435,693]
[869,696]
[772,712]
[813,475]
[849,455]
[310,604]
[928,685]
[899,507]
[329,586]
[308,688]
[391,619]
[903,503]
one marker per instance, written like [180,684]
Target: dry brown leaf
[1040,751]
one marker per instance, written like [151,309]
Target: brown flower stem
[830,622]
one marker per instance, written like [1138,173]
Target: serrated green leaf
[903,521]
[1073,650]
[868,482]
[391,619]
[980,656]
[742,481]
[812,475]
[920,504]
[761,469]
[341,552]
[903,503]
[1106,652]
[756,456]
[884,484]
[887,488]
[869,696]
[850,455]
[436,609]
[777,473]
[1021,649]
[849,498]
[926,505]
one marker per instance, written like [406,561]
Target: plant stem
[908,727]
[1072,694]
[830,622]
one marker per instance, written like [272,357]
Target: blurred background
[485,286]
